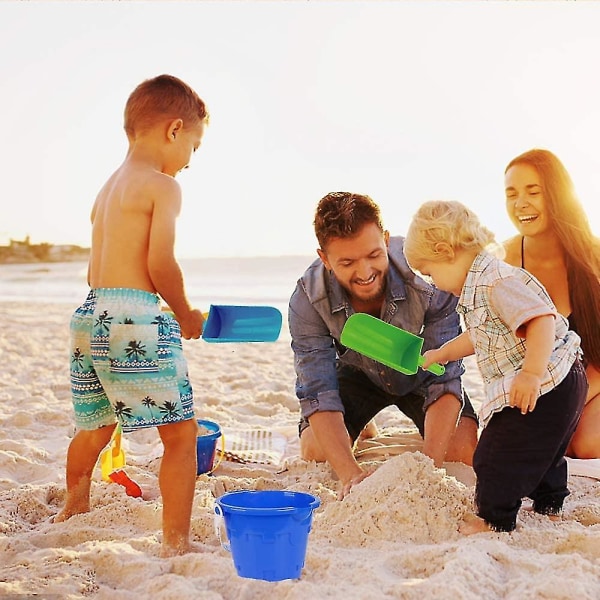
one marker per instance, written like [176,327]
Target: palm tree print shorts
[127,362]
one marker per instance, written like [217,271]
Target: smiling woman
[555,244]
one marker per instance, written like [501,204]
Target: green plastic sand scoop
[385,343]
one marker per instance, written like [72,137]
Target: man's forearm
[331,435]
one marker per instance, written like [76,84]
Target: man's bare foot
[473,524]
[370,431]
[180,549]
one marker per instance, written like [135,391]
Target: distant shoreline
[24,252]
[34,260]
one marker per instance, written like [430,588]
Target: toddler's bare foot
[180,549]
[473,524]
[555,518]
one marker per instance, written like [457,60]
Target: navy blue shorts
[363,400]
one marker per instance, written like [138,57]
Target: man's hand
[347,485]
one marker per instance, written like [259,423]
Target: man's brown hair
[343,215]
[162,97]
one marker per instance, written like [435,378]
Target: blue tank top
[570,318]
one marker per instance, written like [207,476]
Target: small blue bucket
[206,446]
[267,531]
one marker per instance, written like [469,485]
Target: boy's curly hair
[343,215]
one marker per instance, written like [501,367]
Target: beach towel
[584,467]
[385,446]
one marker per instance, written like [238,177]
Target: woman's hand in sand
[347,485]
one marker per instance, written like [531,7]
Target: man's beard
[378,294]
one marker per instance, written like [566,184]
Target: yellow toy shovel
[113,456]
[112,461]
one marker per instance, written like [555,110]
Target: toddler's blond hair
[442,226]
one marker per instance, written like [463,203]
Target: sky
[405,101]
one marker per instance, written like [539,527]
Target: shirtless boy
[127,362]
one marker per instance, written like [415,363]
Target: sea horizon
[264,280]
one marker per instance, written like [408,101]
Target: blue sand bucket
[206,446]
[242,324]
[267,531]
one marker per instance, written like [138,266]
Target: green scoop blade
[385,343]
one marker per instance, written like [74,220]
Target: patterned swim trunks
[127,362]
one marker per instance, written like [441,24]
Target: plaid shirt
[497,300]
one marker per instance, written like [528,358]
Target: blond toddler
[535,384]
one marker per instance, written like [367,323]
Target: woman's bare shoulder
[512,249]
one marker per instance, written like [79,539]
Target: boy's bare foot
[473,524]
[179,550]
[67,513]
[77,501]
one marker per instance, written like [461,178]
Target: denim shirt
[318,310]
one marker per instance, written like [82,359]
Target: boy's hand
[525,391]
[191,325]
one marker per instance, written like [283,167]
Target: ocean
[245,281]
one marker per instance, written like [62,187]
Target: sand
[394,536]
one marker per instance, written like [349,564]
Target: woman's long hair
[581,247]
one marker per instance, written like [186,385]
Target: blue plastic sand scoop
[228,323]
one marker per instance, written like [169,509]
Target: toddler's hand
[525,391]
[432,356]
